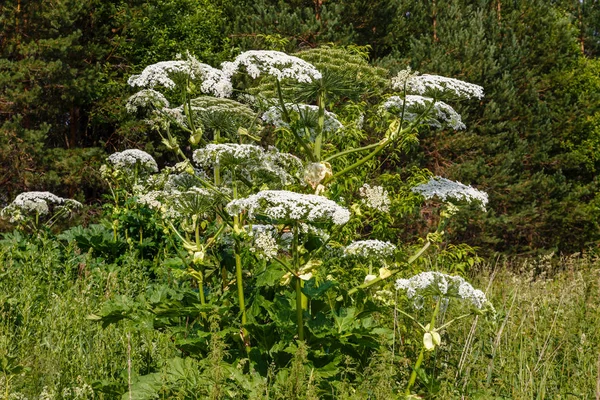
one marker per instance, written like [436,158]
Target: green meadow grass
[542,344]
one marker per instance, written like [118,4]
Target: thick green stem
[321,124]
[240,283]
[382,145]
[296,266]
[413,375]
[217,167]
[299,309]
[201,287]
[238,270]
[286,118]
[350,151]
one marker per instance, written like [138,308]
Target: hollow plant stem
[238,269]
[299,309]
[296,266]
[413,375]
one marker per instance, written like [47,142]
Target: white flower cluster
[369,248]
[160,74]
[39,203]
[265,245]
[443,111]
[308,118]
[173,203]
[445,188]
[145,98]
[375,197]
[285,205]
[213,79]
[274,63]
[440,284]
[165,73]
[227,154]
[421,84]
[127,160]
[255,160]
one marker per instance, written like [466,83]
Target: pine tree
[63,70]
[524,142]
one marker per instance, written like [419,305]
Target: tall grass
[543,343]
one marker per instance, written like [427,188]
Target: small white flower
[270,165]
[375,197]
[444,188]
[168,73]
[228,153]
[274,63]
[128,159]
[145,98]
[285,205]
[440,284]
[421,84]
[412,104]
[39,203]
[160,74]
[307,116]
[265,245]
[370,248]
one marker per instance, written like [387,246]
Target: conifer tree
[525,144]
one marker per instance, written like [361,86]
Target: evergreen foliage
[62,86]
[528,139]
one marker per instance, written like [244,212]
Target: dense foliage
[63,67]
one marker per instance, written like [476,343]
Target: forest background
[532,143]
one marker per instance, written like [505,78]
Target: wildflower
[420,84]
[444,188]
[168,73]
[160,74]
[375,197]
[127,160]
[265,245]
[307,116]
[411,103]
[228,154]
[370,248]
[274,63]
[283,168]
[36,203]
[285,205]
[440,284]
[145,98]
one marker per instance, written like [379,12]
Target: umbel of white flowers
[146,98]
[412,102]
[167,73]
[31,203]
[127,160]
[444,189]
[253,158]
[421,84]
[375,197]
[370,249]
[433,283]
[283,205]
[308,118]
[273,63]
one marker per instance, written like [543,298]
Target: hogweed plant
[34,210]
[244,214]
